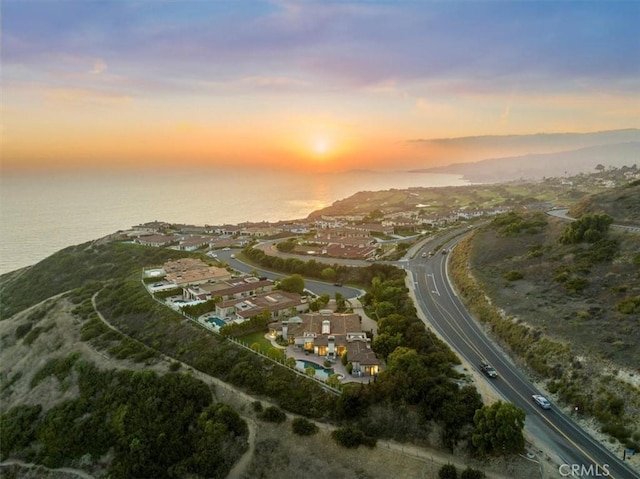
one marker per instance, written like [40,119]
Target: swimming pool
[217,321]
[321,372]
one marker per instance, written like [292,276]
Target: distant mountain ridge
[550,141]
[539,165]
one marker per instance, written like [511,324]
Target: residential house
[329,335]
[260,231]
[192,242]
[225,230]
[325,238]
[370,228]
[185,271]
[233,289]
[157,241]
[343,251]
[362,358]
[295,228]
[280,304]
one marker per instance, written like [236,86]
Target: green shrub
[470,473]
[58,367]
[23,329]
[286,246]
[576,284]
[343,359]
[513,275]
[351,437]
[448,471]
[33,335]
[617,430]
[303,427]
[629,305]
[273,414]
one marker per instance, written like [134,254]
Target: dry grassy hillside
[588,318]
[622,204]
[581,304]
[56,332]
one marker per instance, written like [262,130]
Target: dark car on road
[488,370]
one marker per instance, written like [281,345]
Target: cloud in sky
[399,70]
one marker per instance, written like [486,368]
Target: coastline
[42,215]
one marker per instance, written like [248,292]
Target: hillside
[623,204]
[97,376]
[540,165]
[568,306]
[443,201]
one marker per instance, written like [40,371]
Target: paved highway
[438,302]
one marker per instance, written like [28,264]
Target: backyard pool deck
[337,366]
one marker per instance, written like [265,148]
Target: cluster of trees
[155,426]
[292,284]
[498,429]
[514,223]
[449,471]
[419,372]
[259,322]
[315,269]
[199,309]
[588,228]
[287,246]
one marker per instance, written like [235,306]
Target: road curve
[562,213]
[439,304]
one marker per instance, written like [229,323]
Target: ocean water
[41,214]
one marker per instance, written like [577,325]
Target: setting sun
[321,147]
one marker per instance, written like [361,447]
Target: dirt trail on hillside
[388,460]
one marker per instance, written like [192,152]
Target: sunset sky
[305,85]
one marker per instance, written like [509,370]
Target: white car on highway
[541,401]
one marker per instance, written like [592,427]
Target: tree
[588,228]
[286,246]
[275,353]
[341,304]
[384,344]
[292,284]
[498,429]
[384,309]
[448,471]
[374,215]
[291,362]
[470,473]
[334,381]
[328,274]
